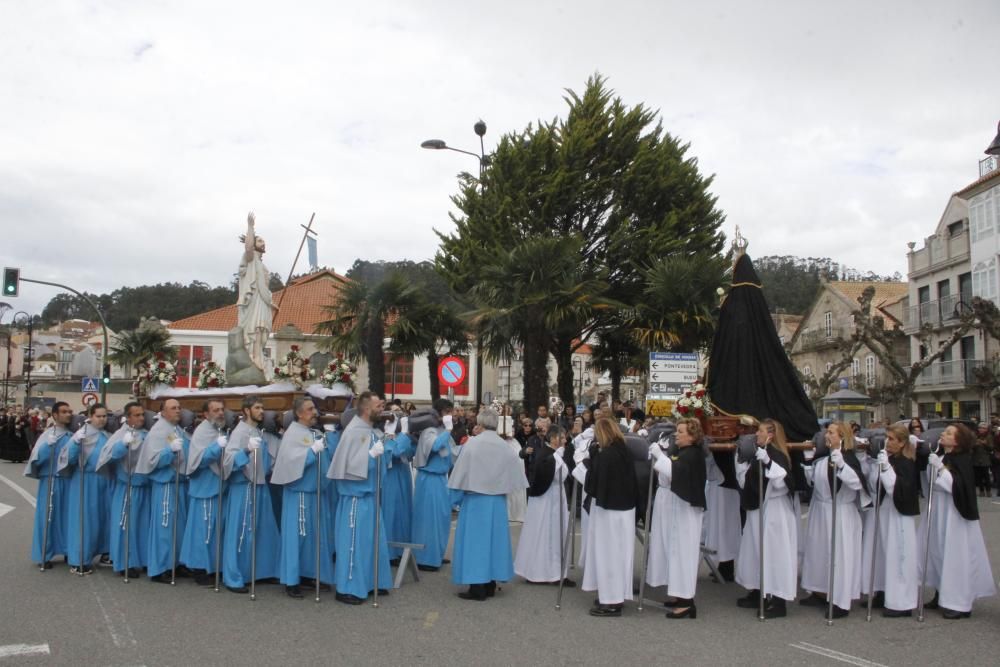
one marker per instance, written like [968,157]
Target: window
[806,371]
[983,210]
[984,280]
[828,324]
[944,288]
[924,294]
[870,371]
[403,374]
[190,360]
[855,368]
[965,287]
[829,365]
[955,228]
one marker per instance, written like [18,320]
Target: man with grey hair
[485,472]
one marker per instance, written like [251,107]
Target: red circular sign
[451,371]
[89,399]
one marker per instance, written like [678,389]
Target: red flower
[683,409]
[333,367]
[295,348]
[345,378]
[162,364]
[698,413]
[210,364]
[700,393]
[687,394]
[213,383]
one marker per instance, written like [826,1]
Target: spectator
[982,459]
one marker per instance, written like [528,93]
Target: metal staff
[319,534]
[218,520]
[378,523]
[927,545]
[760,530]
[128,496]
[833,544]
[173,536]
[82,464]
[253,528]
[871,578]
[645,532]
[572,532]
[562,539]
[48,505]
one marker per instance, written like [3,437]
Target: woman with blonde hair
[609,546]
[836,477]
[780,525]
[895,567]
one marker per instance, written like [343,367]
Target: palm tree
[147,341]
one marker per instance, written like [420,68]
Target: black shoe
[47,565]
[162,578]
[491,589]
[133,573]
[606,610]
[269,580]
[839,612]
[775,608]
[812,600]
[567,583]
[183,572]
[689,612]
[953,615]
[349,599]
[241,589]
[896,613]
[311,583]
[105,561]
[205,579]
[750,601]
[878,602]
[933,604]
[394,562]
[86,569]
[292,592]
[445,561]
[726,569]
[428,568]
[381,592]
[476,592]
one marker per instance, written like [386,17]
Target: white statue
[254,305]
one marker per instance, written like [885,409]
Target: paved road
[98,620]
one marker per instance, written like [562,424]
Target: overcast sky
[136,135]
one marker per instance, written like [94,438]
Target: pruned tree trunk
[432,368]
[536,372]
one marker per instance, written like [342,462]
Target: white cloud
[138,135]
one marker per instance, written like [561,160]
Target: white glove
[176,445]
[883,460]
[448,422]
[53,439]
[328,428]
[376,450]
[253,444]
[936,461]
[837,457]
[655,452]
[318,446]
[221,441]
[404,425]
[78,436]
[762,455]
[581,454]
[127,438]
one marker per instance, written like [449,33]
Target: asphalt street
[55,618]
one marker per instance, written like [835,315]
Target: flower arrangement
[694,402]
[212,376]
[156,371]
[338,371]
[293,368]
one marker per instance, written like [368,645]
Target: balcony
[961,372]
[938,252]
[821,338]
[941,313]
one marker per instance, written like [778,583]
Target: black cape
[749,372]
[689,475]
[541,472]
[726,463]
[963,488]
[611,481]
[750,494]
[904,494]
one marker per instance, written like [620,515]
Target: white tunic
[608,554]
[517,502]
[722,516]
[780,540]
[957,563]
[816,563]
[545,524]
[674,538]
[896,554]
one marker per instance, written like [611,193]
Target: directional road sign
[671,371]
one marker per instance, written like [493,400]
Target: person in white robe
[675,527]
[958,566]
[841,469]
[721,530]
[540,556]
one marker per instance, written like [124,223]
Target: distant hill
[790,283]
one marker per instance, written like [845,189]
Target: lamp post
[439,144]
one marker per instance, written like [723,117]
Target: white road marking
[24,494]
[14,650]
[116,638]
[836,655]
[4,509]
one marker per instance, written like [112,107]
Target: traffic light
[106,375]
[11,280]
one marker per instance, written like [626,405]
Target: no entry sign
[451,371]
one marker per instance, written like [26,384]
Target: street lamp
[437,145]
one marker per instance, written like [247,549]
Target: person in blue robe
[87,499]
[397,489]
[296,468]
[431,524]
[485,473]
[129,512]
[355,467]
[50,517]
[242,534]
[163,458]
[198,548]
[330,495]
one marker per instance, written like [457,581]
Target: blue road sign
[88,385]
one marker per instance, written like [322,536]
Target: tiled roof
[993,174]
[885,292]
[304,306]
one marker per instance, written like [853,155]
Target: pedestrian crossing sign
[88,385]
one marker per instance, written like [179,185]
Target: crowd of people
[19,428]
[307,504]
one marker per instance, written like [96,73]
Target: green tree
[147,341]
[607,174]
